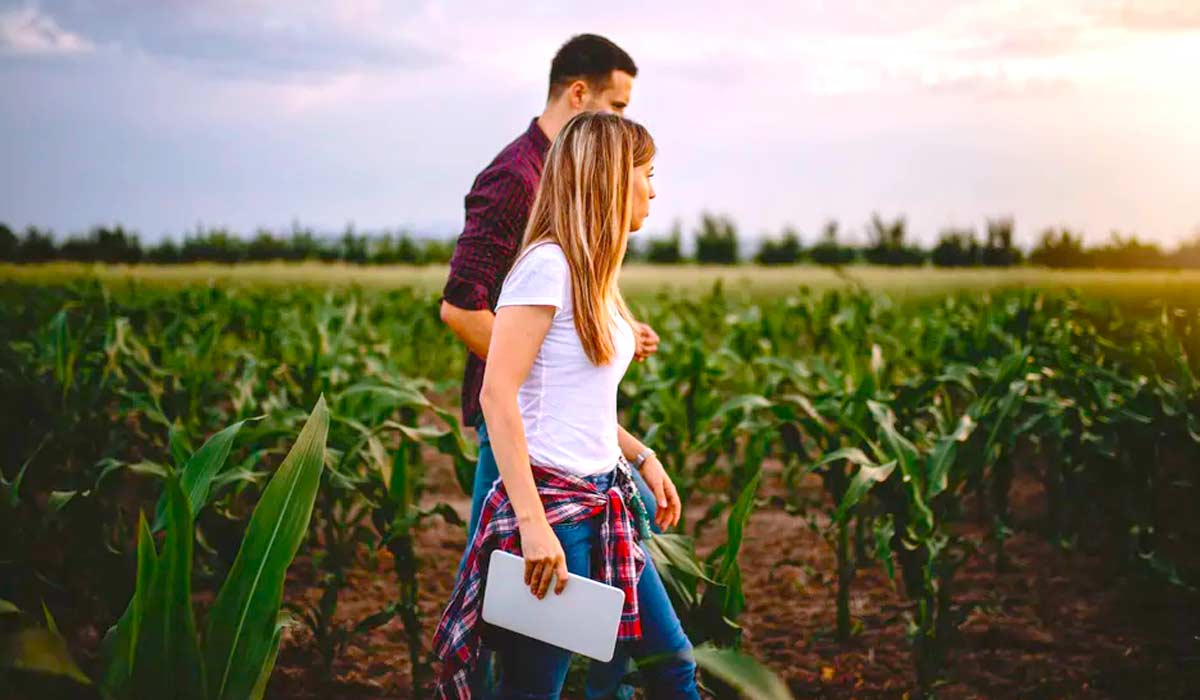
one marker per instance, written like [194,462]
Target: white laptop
[582,619]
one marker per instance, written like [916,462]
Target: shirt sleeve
[496,211]
[538,278]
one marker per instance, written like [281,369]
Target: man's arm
[497,208]
[472,327]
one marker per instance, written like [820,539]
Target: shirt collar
[535,134]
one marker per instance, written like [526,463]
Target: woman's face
[641,193]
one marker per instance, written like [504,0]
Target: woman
[565,500]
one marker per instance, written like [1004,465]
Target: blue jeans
[532,669]
[604,678]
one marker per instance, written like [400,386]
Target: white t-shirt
[568,405]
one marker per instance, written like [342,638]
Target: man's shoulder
[517,164]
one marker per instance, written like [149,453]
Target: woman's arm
[669,507]
[517,334]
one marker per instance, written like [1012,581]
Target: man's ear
[577,94]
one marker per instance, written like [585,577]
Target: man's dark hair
[589,57]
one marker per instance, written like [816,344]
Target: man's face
[613,98]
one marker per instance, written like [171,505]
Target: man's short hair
[588,57]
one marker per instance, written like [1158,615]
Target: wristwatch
[642,457]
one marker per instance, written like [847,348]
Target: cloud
[27,31]
[294,41]
[1153,15]
[275,52]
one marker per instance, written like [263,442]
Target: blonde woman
[566,501]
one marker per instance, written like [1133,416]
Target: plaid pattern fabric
[567,498]
[497,208]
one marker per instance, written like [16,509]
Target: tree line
[715,241]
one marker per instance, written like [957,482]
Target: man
[589,73]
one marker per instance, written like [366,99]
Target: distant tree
[165,252]
[1059,249]
[214,245]
[437,251]
[407,250]
[1188,254]
[828,251]
[998,250]
[352,247]
[716,240]
[102,245]
[266,246]
[303,244]
[37,246]
[632,249]
[668,249]
[10,245]
[956,248]
[383,249]
[888,244]
[1126,253]
[787,249]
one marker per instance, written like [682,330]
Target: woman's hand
[669,508]
[544,558]
[647,341]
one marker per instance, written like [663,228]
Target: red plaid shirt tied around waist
[567,498]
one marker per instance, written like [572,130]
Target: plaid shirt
[567,498]
[498,207]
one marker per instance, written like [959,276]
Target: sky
[163,115]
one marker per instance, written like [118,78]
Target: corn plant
[155,651]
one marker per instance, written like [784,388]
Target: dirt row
[1060,623]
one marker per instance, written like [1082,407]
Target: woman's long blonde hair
[583,204]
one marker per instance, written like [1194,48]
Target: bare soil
[1059,623]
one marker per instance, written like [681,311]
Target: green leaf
[11,491]
[178,445]
[674,557]
[201,468]
[50,623]
[39,650]
[742,672]
[885,529]
[242,624]
[735,528]
[862,481]
[167,660]
[940,459]
[850,454]
[264,676]
[57,500]
[900,447]
[120,642]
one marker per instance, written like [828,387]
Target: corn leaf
[241,631]
[167,662]
[745,674]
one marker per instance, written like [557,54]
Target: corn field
[171,452]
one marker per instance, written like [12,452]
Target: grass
[642,279]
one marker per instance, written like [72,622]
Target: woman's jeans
[533,669]
[604,679]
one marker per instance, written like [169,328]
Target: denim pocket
[570,527]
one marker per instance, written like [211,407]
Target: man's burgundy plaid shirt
[498,208]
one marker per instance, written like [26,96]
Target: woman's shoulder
[545,256]
[546,251]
